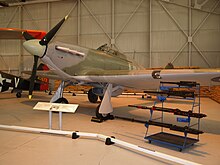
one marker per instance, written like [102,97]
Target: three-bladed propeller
[38,48]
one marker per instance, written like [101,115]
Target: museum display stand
[188,121]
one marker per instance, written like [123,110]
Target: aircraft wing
[141,79]
[13,33]
[150,79]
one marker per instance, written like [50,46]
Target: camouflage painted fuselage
[81,64]
[94,62]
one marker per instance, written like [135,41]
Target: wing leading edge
[14,33]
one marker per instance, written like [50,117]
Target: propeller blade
[52,32]
[27,36]
[33,76]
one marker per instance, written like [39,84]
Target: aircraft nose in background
[33,47]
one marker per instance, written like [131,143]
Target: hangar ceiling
[151,32]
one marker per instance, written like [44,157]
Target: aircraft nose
[33,47]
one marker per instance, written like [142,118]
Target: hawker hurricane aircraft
[107,70]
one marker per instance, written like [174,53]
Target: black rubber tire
[62,100]
[93,98]
[18,94]
[100,116]
[101,98]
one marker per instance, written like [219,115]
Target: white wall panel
[98,7]
[141,57]
[161,22]
[135,42]
[182,60]
[60,9]
[204,37]
[35,12]
[139,23]
[128,6]
[70,39]
[6,14]
[93,41]
[28,62]
[36,25]
[9,62]
[140,20]
[179,13]
[167,40]
[202,62]
[89,25]
[180,2]
[68,28]
[211,23]
[198,17]
[7,49]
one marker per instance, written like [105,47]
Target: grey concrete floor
[28,148]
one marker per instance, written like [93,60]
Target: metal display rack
[178,90]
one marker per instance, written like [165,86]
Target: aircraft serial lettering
[2,79]
[16,82]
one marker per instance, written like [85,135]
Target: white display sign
[56,107]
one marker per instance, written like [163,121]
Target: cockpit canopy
[105,48]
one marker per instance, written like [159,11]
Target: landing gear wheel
[50,93]
[102,116]
[18,94]
[92,97]
[101,98]
[62,100]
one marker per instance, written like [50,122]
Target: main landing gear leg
[105,108]
[58,96]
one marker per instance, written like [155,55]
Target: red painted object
[14,33]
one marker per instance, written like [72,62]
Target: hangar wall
[151,32]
